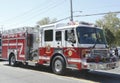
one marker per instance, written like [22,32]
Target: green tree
[109,36]
[110,21]
[111,24]
[46,20]
[117,35]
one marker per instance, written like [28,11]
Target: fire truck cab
[60,46]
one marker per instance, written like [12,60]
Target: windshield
[88,35]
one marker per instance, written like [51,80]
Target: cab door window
[58,36]
[70,36]
[48,35]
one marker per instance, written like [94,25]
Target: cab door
[47,49]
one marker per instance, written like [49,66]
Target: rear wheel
[58,65]
[12,60]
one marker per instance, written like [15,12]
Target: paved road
[29,74]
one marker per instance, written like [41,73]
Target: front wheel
[12,61]
[58,65]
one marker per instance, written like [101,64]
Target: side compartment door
[21,46]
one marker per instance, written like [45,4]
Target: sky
[20,13]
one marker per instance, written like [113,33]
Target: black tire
[59,65]
[12,60]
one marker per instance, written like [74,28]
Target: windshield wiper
[96,39]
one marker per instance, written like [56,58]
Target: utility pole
[71,10]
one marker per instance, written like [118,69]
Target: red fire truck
[78,46]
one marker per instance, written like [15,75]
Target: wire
[37,8]
[39,13]
[116,12]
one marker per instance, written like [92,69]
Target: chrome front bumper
[102,66]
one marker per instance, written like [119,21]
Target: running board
[31,63]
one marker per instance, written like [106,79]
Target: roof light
[89,24]
[73,23]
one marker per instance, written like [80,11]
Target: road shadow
[2,60]
[96,76]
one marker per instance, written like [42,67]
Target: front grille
[100,52]
[101,55]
